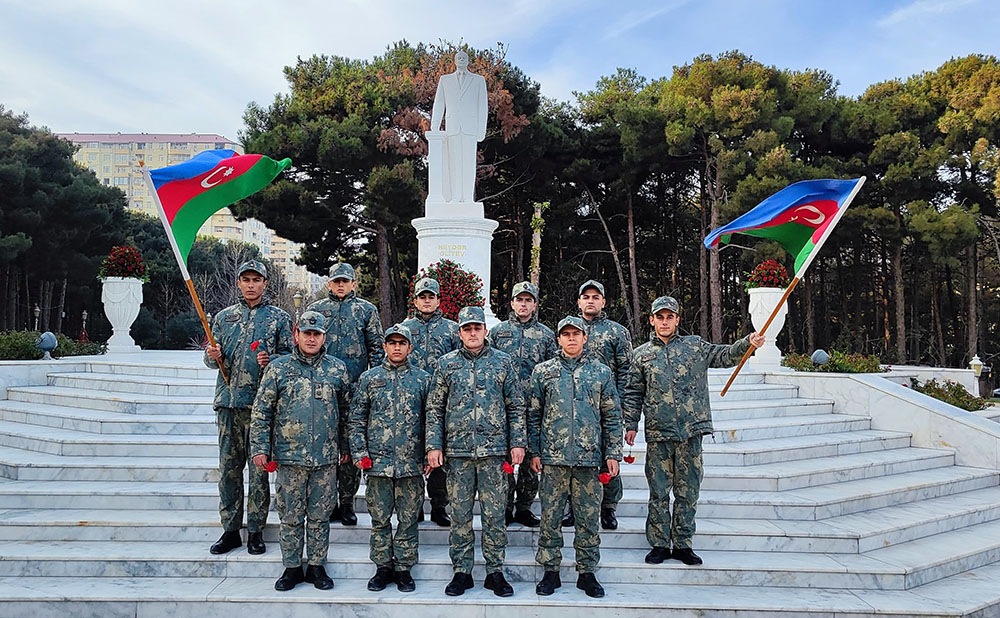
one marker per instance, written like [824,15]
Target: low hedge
[950,392]
[839,363]
[20,345]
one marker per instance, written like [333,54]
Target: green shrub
[839,363]
[950,392]
[20,345]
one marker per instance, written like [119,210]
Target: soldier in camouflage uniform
[354,335]
[299,422]
[433,335]
[609,342]
[668,384]
[475,416]
[528,342]
[386,431]
[236,329]
[574,427]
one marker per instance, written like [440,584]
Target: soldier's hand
[756,340]
[516,455]
[214,352]
[260,461]
[263,358]
[613,467]
[435,458]
[630,437]
[536,464]
[346,457]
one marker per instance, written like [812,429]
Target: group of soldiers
[319,403]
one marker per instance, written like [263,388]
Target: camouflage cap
[471,315]
[398,329]
[427,284]
[312,320]
[571,320]
[253,265]
[525,287]
[591,284]
[666,303]
[342,270]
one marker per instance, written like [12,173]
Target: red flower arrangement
[507,468]
[271,466]
[125,262]
[767,274]
[366,463]
[459,288]
[604,478]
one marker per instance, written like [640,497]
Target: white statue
[461,101]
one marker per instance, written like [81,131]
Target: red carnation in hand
[507,468]
[255,345]
[629,459]
[605,478]
[366,462]
[271,466]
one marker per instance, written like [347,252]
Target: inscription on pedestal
[445,250]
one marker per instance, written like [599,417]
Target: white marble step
[128,403]
[752,392]
[727,410]
[127,383]
[754,452]
[23,465]
[161,363]
[72,443]
[784,427]
[101,421]
[717,378]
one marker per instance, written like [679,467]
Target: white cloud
[922,9]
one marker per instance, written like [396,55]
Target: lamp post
[976,365]
[82,337]
[37,311]
[297,301]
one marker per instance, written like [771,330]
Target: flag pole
[798,276]
[182,265]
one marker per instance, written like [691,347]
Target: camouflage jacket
[300,414]
[432,339]
[475,407]
[610,342]
[668,384]
[387,419]
[528,344]
[574,417]
[235,328]
[353,331]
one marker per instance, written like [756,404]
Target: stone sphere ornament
[47,342]
[820,358]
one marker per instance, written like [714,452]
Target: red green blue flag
[800,217]
[190,192]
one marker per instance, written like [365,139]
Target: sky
[193,66]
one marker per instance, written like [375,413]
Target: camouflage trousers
[677,467]
[405,497]
[348,483]
[522,492]
[304,496]
[437,488]
[613,491]
[234,455]
[582,488]
[466,478]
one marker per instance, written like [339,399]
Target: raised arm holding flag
[800,217]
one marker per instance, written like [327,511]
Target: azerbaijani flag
[190,192]
[800,217]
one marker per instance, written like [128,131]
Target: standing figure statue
[461,101]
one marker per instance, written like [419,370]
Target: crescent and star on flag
[226,171]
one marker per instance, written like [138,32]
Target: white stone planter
[122,297]
[762,303]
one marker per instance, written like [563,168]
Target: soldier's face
[252,286]
[572,340]
[310,342]
[524,305]
[665,323]
[591,303]
[473,336]
[396,348]
[426,302]
[341,286]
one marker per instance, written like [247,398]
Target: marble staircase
[108,505]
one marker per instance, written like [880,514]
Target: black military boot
[227,542]
[459,584]
[608,519]
[685,555]
[255,543]
[550,581]
[335,514]
[588,583]
[289,579]
[526,518]
[657,555]
[404,581]
[316,575]
[381,579]
[440,516]
[499,586]
[347,516]
[568,520]
[508,517]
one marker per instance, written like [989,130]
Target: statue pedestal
[455,232]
